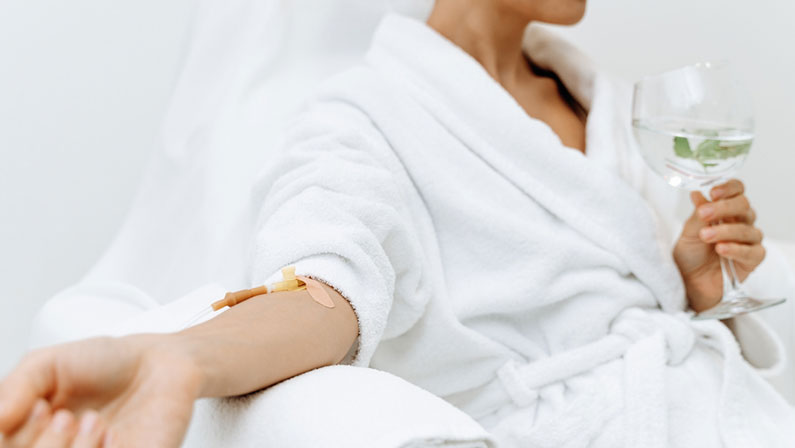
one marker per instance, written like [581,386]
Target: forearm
[266,340]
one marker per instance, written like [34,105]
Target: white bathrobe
[526,283]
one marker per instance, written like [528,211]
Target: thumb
[693,225]
[697,198]
[33,379]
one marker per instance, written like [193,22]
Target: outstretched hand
[105,392]
[723,227]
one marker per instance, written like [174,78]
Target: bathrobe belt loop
[634,325]
[522,381]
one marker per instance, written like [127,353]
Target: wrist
[168,354]
[701,291]
[699,303]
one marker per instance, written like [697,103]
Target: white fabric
[470,241]
[788,252]
[775,278]
[250,63]
[339,406]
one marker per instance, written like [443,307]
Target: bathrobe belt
[647,340]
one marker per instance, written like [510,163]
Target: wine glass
[695,127]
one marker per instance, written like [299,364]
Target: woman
[484,240]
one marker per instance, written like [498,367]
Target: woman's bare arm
[266,340]
[140,389]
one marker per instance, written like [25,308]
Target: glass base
[736,306]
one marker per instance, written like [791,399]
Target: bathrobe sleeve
[334,205]
[765,337]
[761,347]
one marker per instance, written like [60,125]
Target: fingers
[43,430]
[59,433]
[35,424]
[750,218]
[31,380]
[729,203]
[736,209]
[91,431]
[742,253]
[698,199]
[729,189]
[734,232]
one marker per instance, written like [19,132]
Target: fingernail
[723,249]
[88,423]
[717,193]
[705,211]
[61,421]
[707,233]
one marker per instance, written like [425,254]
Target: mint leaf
[709,149]
[736,150]
[713,149]
[682,148]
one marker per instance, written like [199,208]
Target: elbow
[346,334]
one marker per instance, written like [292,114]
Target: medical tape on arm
[290,282]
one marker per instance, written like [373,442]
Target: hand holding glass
[695,128]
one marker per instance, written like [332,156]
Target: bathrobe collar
[453,87]
[476,97]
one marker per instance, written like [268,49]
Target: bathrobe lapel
[582,191]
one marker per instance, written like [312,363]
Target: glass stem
[732,291]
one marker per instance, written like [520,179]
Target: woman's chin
[556,12]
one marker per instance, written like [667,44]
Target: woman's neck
[490,34]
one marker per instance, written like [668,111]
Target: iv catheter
[290,282]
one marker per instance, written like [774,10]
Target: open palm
[141,393]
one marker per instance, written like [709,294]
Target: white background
[84,84]
[83,87]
